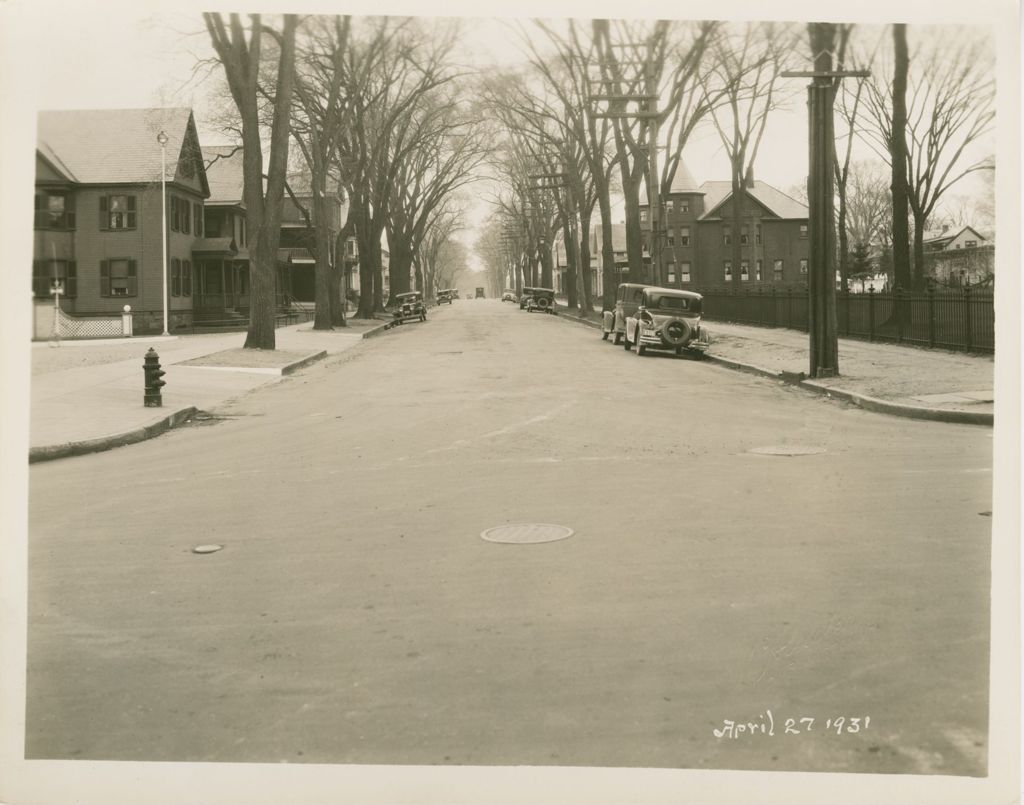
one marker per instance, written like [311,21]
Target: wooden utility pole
[643,91]
[821,274]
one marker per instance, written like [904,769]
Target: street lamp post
[162,139]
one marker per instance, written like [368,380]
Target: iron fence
[954,318]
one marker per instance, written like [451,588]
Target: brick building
[697,245]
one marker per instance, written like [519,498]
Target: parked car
[479,293]
[542,299]
[445,295]
[627,299]
[409,307]
[508,296]
[667,319]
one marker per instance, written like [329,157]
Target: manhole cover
[787,450]
[207,548]
[526,533]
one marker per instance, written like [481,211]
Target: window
[643,216]
[970,244]
[757,270]
[684,205]
[242,240]
[46,272]
[744,271]
[181,215]
[672,275]
[744,238]
[684,272]
[684,236]
[197,219]
[728,270]
[671,241]
[175,276]
[726,235]
[803,266]
[55,211]
[757,233]
[777,271]
[803,230]
[117,212]
[350,247]
[118,277]
[186,278]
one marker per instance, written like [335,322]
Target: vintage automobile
[508,296]
[542,299]
[627,299]
[479,293]
[666,318]
[409,307]
[445,295]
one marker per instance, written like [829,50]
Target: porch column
[223,287]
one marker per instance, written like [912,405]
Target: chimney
[749,181]
[945,228]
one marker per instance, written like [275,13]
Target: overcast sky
[117,55]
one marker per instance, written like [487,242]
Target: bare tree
[950,110]
[745,72]
[241,55]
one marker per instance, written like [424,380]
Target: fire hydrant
[153,372]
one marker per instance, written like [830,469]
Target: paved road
[355,615]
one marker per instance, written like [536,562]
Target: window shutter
[130,215]
[71,284]
[186,216]
[104,218]
[69,210]
[132,282]
[104,278]
[186,279]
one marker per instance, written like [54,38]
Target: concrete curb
[860,400]
[50,452]
[302,362]
[380,328]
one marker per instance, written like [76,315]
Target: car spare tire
[542,303]
[675,332]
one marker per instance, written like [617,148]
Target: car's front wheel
[625,340]
[640,348]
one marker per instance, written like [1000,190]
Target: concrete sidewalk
[888,378]
[88,396]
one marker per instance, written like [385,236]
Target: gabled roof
[775,201]
[950,235]
[50,157]
[115,146]
[224,173]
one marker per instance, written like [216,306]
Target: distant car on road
[542,299]
[409,307]
[666,318]
[508,296]
[445,295]
[479,293]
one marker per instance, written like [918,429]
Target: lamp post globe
[162,139]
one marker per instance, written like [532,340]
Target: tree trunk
[546,280]
[322,270]
[377,270]
[844,239]
[364,239]
[584,270]
[570,264]
[919,269]
[610,275]
[736,223]
[634,233]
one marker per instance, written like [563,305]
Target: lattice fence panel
[98,327]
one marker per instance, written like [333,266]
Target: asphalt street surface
[355,615]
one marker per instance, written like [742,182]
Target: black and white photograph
[556,402]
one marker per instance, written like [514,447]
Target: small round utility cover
[526,533]
[207,548]
[788,450]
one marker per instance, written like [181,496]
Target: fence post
[969,345]
[898,308]
[931,316]
[774,311]
[846,300]
[871,313]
